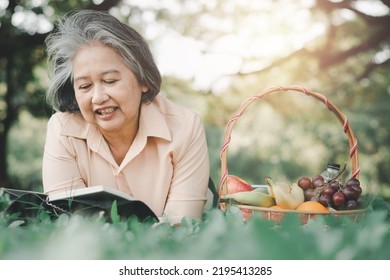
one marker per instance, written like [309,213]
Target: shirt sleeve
[59,166]
[187,195]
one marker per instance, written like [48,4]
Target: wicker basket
[278,214]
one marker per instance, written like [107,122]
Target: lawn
[217,236]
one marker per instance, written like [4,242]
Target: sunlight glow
[30,22]
[253,40]
[238,36]
[97,2]
[382,56]
[4,4]
[372,8]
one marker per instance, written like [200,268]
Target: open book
[96,194]
[90,199]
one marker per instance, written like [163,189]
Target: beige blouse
[167,165]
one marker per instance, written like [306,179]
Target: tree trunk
[4,179]
[6,122]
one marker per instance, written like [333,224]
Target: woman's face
[107,91]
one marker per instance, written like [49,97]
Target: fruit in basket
[328,190]
[335,185]
[236,184]
[358,190]
[246,214]
[310,193]
[275,215]
[352,204]
[349,193]
[333,193]
[318,181]
[286,196]
[253,198]
[326,200]
[338,199]
[312,206]
[354,184]
[305,183]
[278,207]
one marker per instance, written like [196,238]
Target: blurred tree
[350,64]
[24,25]
[331,51]
[341,48]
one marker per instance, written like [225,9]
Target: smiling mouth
[106,111]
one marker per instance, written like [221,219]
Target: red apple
[236,184]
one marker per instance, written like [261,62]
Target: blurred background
[213,54]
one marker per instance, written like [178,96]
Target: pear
[289,197]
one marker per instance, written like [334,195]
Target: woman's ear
[144,88]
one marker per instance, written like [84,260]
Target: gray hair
[82,27]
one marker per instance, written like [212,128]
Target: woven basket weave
[278,214]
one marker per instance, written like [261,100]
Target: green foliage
[218,235]
[25,151]
[115,218]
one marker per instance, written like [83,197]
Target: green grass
[217,236]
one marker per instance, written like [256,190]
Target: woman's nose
[99,95]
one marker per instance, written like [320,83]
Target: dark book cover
[27,204]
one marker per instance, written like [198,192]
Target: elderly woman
[112,128]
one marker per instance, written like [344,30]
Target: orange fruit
[275,216]
[313,206]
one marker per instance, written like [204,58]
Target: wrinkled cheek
[86,110]
[88,117]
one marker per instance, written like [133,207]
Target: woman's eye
[84,86]
[109,81]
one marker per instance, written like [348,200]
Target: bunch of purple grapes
[333,193]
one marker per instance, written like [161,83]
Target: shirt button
[120,175]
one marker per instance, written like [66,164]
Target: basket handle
[353,144]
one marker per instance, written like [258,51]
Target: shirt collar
[152,121]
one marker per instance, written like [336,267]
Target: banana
[289,197]
[254,198]
[263,190]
